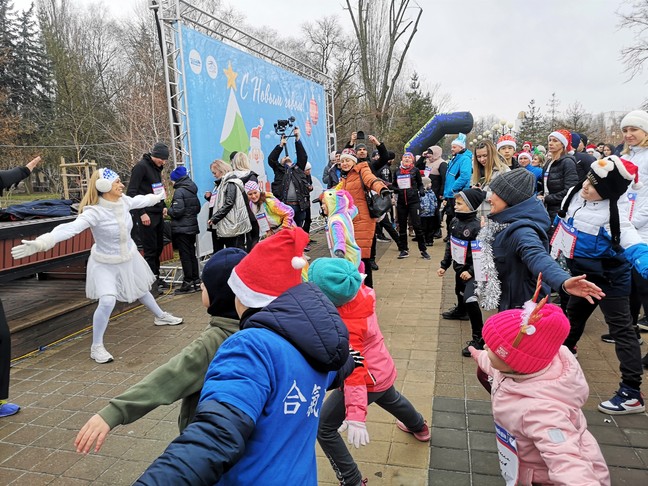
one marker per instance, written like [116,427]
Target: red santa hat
[529,144]
[273,266]
[564,137]
[255,136]
[506,141]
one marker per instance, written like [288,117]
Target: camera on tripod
[282,125]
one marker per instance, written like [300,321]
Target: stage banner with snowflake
[234,99]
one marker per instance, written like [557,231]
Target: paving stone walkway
[61,388]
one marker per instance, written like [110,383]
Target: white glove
[29,247]
[343,427]
[357,433]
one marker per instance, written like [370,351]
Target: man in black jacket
[7,179]
[290,183]
[146,178]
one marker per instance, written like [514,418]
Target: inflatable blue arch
[438,126]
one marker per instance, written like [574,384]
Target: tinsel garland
[489,291]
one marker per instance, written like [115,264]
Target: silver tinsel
[489,291]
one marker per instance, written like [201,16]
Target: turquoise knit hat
[339,279]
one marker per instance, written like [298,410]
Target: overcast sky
[493,56]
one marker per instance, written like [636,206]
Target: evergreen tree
[533,126]
[415,110]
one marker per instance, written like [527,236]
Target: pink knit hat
[527,341]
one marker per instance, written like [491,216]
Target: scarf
[489,291]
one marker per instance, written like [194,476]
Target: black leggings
[5,354]
[616,311]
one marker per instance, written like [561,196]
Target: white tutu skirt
[126,281]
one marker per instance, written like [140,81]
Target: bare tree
[636,19]
[577,119]
[384,30]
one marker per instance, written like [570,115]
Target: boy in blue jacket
[605,245]
[257,419]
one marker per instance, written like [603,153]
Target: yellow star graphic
[231,76]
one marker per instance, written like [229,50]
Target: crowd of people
[567,223]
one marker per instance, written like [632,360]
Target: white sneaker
[99,354]
[167,319]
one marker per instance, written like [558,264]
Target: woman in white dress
[116,270]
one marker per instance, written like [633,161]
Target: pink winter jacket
[378,373]
[543,412]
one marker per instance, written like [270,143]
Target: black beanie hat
[215,274]
[473,198]
[515,186]
[160,150]
[232,155]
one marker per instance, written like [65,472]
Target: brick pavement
[61,388]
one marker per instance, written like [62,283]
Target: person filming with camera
[290,183]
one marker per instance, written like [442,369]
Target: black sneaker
[310,242]
[642,324]
[196,284]
[185,288]
[403,254]
[437,235]
[477,343]
[382,238]
[455,314]
[607,338]
[374,265]
[426,255]
[162,284]
[307,248]
[429,243]
[445,240]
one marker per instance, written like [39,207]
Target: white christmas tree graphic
[234,137]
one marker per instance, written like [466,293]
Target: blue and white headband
[106,179]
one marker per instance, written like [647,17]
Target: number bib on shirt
[212,200]
[507,454]
[476,249]
[458,249]
[563,240]
[404,181]
[158,188]
[264,225]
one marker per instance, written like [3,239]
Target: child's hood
[363,305]
[339,202]
[309,321]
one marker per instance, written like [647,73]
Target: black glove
[358,359]
[385,192]
[339,253]
[421,193]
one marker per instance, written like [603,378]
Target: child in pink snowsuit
[537,393]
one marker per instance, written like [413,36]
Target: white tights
[105,307]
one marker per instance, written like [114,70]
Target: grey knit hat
[515,186]
[160,150]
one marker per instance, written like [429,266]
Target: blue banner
[233,101]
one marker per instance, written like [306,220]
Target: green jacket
[181,377]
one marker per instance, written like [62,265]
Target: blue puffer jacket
[458,174]
[258,414]
[521,252]
[185,207]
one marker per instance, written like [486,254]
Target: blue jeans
[300,215]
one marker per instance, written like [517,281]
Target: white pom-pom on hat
[298,262]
